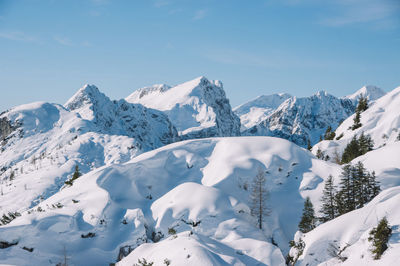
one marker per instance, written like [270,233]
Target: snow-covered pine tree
[328,209]
[258,197]
[307,222]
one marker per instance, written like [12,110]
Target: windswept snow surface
[198,108]
[198,188]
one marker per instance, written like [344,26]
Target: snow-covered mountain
[42,142]
[371,92]
[198,108]
[187,202]
[303,119]
[381,121]
[123,118]
[255,111]
[144,195]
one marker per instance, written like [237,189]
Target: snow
[352,230]
[371,92]
[198,181]
[197,108]
[258,109]
[188,201]
[49,140]
[381,121]
[303,119]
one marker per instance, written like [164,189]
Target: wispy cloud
[383,13]
[63,40]
[161,3]
[200,14]
[100,2]
[18,36]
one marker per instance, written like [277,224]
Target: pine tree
[346,188]
[357,122]
[373,186]
[350,151]
[259,196]
[309,147]
[329,134]
[76,173]
[362,104]
[75,176]
[360,181]
[320,154]
[328,208]
[340,207]
[380,236]
[398,137]
[365,143]
[307,222]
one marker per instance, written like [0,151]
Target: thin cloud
[100,2]
[382,12]
[63,41]
[161,3]
[18,36]
[200,14]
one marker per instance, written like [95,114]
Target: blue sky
[50,48]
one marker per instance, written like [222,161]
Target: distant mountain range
[167,176]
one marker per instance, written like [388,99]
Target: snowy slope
[258,109]
[381,121]
[352,230]
[200,188]
[46,141]
[371,92]
[198,108]
[303,119]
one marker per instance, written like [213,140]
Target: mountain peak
[371,92]
[198,107]
[85,95]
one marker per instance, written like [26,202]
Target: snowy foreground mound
[198,108]
[186,202]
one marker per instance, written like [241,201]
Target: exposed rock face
[5,128]
[255,111]
[198,108]
[303,119]
[151,127]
